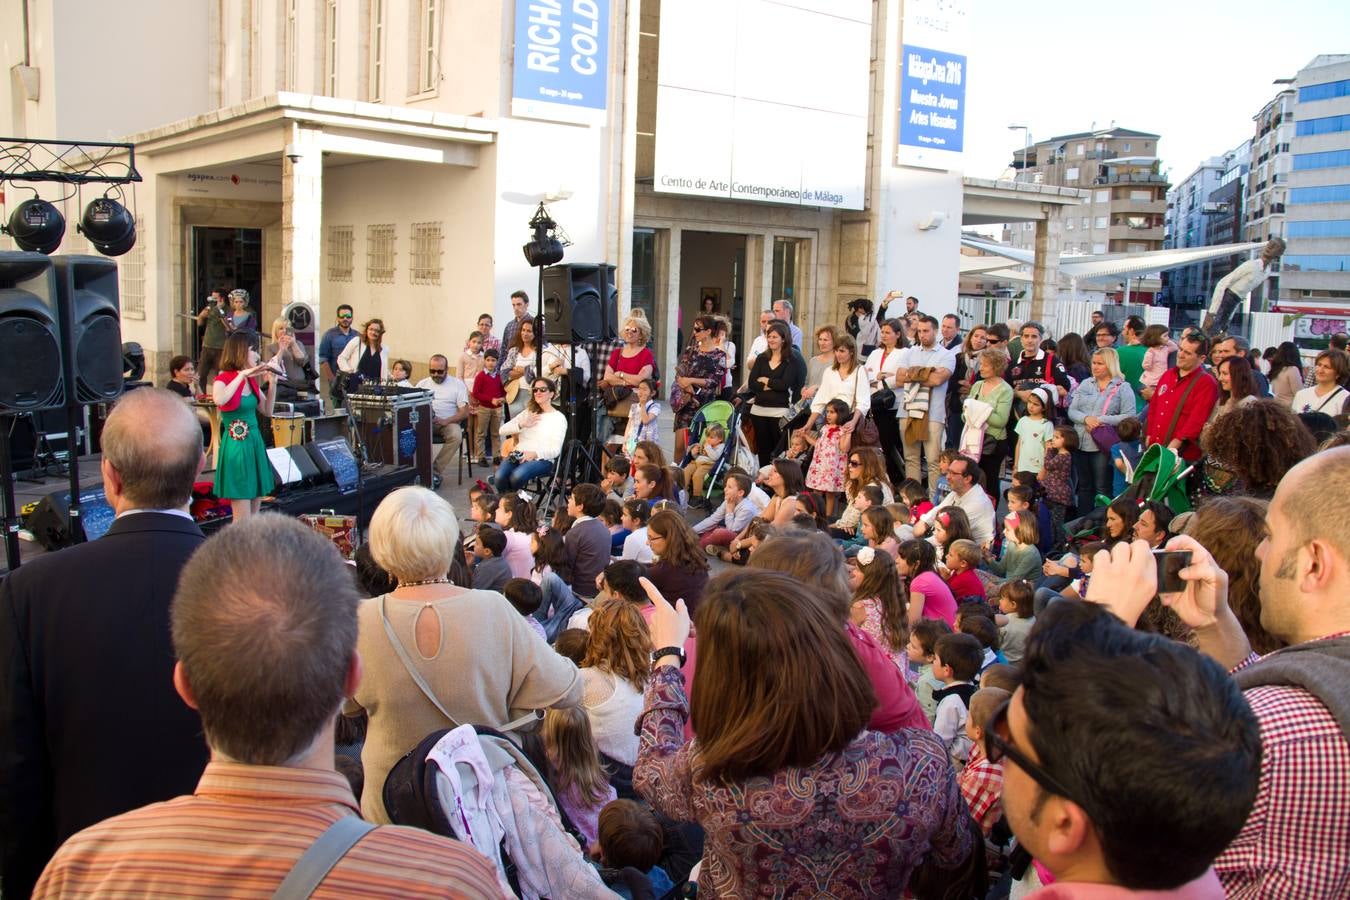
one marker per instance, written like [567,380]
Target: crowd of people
[920,648]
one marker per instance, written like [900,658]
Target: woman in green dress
[243,474]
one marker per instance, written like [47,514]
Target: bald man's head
[1302,498]
[153,441]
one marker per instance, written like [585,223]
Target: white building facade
[389,153]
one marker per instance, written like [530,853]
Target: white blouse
[545,437]
[853,389]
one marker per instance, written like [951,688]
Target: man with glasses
[331,345]
[449,409]
[963,477]
[1131,784]
[783,310]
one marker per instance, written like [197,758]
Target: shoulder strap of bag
[426,688]
[1181,404]
[1107,402]
[1330,397]
[327,850]
[1049,361]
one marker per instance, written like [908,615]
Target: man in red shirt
[1183,400]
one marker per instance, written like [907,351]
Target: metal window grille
[380,254]
[132,269]
[341,249]
[426,253]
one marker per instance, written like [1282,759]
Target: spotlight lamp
[108,226]
[36,226]
[544,248]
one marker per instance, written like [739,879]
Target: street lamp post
[1026,142]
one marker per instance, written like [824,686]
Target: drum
[288,429]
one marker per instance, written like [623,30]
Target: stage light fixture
[37,226]
[108,226]
[544,248]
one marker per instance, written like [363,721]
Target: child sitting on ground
[956,662]
[879,604]
[977,620]
[912,493]
[490,570]
[848,528]
[526,597]
[578,780]
[612,516]
[1021,557]
[878,529]
[923,638]
[963,558]
[616,484]
[1016,616]
[705,455]
[900,515]
[981,781]
[797,451]
[572,643]
[630,836]
[1024,497]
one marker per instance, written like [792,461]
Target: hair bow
[866,555]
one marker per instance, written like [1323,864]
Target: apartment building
[1315,271]
[1200,213]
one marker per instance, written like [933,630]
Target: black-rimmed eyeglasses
[997,747]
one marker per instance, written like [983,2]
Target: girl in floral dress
[832,446]
[878,605]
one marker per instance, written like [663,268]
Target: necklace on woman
[405,584]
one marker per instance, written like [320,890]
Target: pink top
[938,600]
[897,706]
[517,554]
[1155,363]
[1206,887]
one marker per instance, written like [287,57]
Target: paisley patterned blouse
[855,823]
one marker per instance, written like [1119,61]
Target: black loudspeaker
[322,467]
[580,303]
[91,327]
[48,522]
[30,334]
[304,464]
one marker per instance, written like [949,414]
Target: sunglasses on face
[437,371]
[542,390]
[998,746]
[854,462]
[345,318]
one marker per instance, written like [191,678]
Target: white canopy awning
[1095,266]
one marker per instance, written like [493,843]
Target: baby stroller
[1160,476]
[735,451]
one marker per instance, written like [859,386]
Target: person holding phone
[243,474]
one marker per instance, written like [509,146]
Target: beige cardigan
[491,668]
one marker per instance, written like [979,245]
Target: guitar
[513,389]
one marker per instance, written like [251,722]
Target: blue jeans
[513,476]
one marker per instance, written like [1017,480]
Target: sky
[1192,71]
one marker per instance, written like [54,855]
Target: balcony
[1135,235]
[1130,178]
[1124,205]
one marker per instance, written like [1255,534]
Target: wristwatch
[668,651]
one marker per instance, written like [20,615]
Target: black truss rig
[67,162]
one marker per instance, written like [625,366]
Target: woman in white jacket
[846,380]
[366,356]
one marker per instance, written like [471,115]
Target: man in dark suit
[90,724]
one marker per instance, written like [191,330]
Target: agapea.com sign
[561,60]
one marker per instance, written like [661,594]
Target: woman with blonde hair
[627,367]
[1096,407]
[781,706]
[434,655]
[290,353]
[614,673]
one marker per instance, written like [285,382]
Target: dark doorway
[225,259]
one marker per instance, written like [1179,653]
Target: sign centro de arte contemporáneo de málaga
[933,84]
[561,60]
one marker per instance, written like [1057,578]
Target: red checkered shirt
[981,784]
[1296,843]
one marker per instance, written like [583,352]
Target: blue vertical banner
[561,70]
[932,99]
[934,69]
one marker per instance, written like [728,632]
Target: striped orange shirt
[239,835]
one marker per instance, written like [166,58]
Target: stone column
[1045,269]
[672,310]
[302,220]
